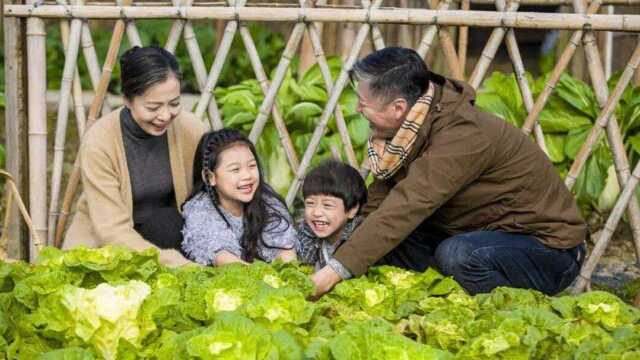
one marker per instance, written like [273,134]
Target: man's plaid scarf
[386,157]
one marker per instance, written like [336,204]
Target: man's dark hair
[337,179]
[393,72]
[143,67]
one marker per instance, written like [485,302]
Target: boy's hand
[324,280]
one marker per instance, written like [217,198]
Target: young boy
[334,193]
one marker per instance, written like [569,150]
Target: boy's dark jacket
[309,246]
[468,171]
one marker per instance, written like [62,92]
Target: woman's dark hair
[260,211]
[337,179]
[143,67]
[393,72]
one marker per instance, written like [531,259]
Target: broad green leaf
[575,139]
[358,129]
[559,117]
[578,94]
[555,145]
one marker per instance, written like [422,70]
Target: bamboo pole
[76,86]
[261,76]
[35,234]
[280,73]
[449,49]
[74,178]
[175,32]
[636,78]
[15,120]
[621,162]
[521,77]
[199,68]
[68,75]
[329,108]
[184,28]
[558,69]
[376,34]
[605,236]
[132,31]
[405,35]
[450,55]
[602,120]
[316,43]
[4,236]
[93,66]
[463,38]
[342,4]
[37,118]
[216,68]
[427,39]
[489,51]
[597,22]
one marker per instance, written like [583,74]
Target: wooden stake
[276,82]
[489,51]
[463,38]
[93,66]
[15,119]
[329,108]
[608,230]
[603,118]
[132,32]
[560,67]
[261,76]
[35,235]
[627,23]
[521,77]
[37,115]
[68,75]
[193,49]
[427,39]
[216,68]
[101,91]
[326,75]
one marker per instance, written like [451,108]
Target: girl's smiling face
[235,178]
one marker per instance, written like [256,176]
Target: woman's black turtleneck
[155,215]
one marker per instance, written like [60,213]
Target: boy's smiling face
[326,215]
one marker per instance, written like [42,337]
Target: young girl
[232,214]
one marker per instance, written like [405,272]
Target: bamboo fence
[439,22]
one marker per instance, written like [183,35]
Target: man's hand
[324,280]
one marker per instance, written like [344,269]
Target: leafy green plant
[566,121]
[112,303]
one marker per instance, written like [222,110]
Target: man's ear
[400,106]
[351,213]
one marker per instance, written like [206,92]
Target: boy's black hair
[337,179]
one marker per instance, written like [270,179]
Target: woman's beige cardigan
[104,213]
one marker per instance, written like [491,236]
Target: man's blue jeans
[483,260]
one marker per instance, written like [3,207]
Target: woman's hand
[287,255]
[224,257]
[324,280]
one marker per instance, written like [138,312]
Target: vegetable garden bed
[112,303]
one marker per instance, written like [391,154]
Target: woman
[136,162]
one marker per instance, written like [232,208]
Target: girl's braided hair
[259,212]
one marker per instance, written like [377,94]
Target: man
[455,188]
